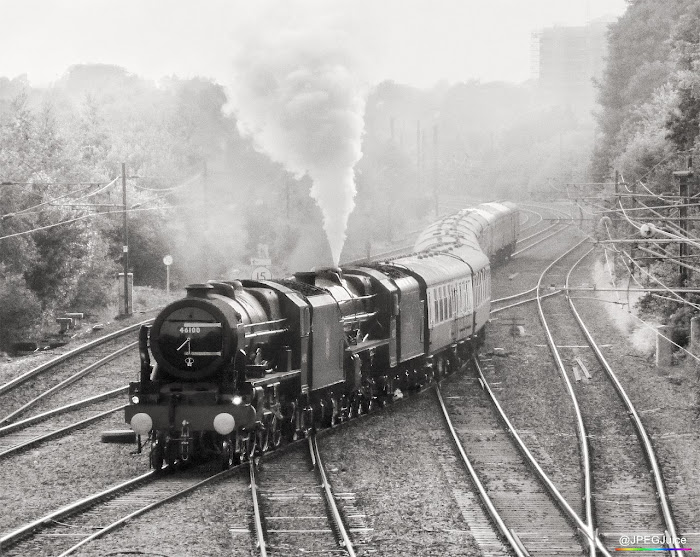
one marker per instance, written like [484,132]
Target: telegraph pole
[125,247]
[435,167]
[616,217]
[205,228]
[684,193]
[418,146]
[287,194]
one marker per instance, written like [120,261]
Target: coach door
[454,321]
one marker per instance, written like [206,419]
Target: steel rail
[564,505]
[540,240]
[72,508]
[90,501]
[485,499]
[68,355]
[345,542]
[67,408]
[69,381]
[539,232]
[117,523]
[259,532]
[58,432]
[526,218]
[524,302]
[497,300]
[641,430]
[581,428]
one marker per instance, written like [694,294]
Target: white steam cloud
[297,91]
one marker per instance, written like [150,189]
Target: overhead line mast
[684,192]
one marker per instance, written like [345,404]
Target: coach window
[477,290]
[430,307]
[470,299]
[460,298]
[443,300]
[439,314]
[442,304]
[479,286]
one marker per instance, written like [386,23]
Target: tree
[638,64]
[19,309]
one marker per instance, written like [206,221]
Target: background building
[565,60]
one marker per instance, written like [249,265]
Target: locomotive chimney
[198,290]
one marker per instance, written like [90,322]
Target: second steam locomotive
[235,366]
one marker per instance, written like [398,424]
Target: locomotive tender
[240,364]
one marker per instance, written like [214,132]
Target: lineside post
[664,348]
[695,335]
[684,193]
[125,247]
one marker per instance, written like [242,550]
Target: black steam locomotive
[241,364]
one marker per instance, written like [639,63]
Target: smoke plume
[297,92]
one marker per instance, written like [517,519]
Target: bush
[20,310]
[93,291]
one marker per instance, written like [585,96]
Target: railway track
[40,428]
[64,531]
[522,494]
[528,215]
[48,381]
[622,499]
[525,243]
[295,511]
[630,493]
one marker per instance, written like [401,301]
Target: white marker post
[167,260]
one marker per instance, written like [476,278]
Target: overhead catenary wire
[18,183]
[51,202]
[652,277]
[100,190]
[90,215]
[661,232]
[29,210]
[677,299]
[654,328]
[187,182]
[661,284]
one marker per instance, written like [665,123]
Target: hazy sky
[411,41]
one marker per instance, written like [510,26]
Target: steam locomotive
[240,365]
